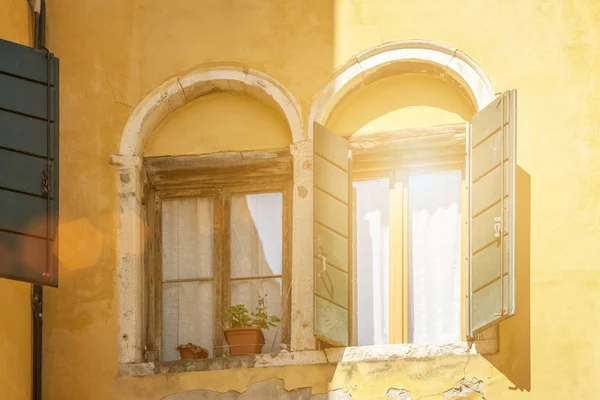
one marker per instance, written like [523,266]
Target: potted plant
[191,351]
[244,335]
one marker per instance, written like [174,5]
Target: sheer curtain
[372,234]
[187,253]
[434,257]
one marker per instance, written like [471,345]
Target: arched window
[403,280]
[231,188]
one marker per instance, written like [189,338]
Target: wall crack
[466,389]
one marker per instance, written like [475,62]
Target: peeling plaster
[302,191]
[471,390]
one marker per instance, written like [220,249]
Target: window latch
[46,181]
[497,226]
[320,255]
[327,282]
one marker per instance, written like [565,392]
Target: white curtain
[372,233]
[434,201]
[187,253]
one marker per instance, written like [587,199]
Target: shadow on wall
[514,358]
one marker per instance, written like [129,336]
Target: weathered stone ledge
[312,357]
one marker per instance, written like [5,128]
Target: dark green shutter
[28,164]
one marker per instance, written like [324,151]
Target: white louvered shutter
[332,230]
[491,166]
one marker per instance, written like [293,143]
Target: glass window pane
[372,240]
[434,234]
[247,292]
[187,238]
[256,234]
[187,317]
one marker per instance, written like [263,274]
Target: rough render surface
[129,269]
[302,248]
[270,389]
[341,356]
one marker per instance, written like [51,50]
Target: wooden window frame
[395,156]
[217,176]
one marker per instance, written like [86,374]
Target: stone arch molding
[230,78]
[357,71]
[165,99]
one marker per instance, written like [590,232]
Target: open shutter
[28,164]
[332,233]
[491,166]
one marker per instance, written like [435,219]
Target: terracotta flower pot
[186,354]
[244,340]
[192,352]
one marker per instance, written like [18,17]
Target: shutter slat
[25,134]
[25,97]
[21,256]
[331,321]
[489,259]
[486,191]
[488,121]
[331,213]
[334,285]
[333,147]
[24,62]
[338,245]
[23,213]
[27,177]
[483,228]
[331,178]
[486,303]
[487,156]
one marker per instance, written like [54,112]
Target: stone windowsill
[311,357]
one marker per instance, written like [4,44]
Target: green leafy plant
[238,316]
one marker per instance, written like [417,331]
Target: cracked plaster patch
[471,390]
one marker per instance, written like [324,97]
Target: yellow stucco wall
[219,122]
[114,52]
[399,102]
[15,312]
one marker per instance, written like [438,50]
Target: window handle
[323,273]
[497,226]
[320,245]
